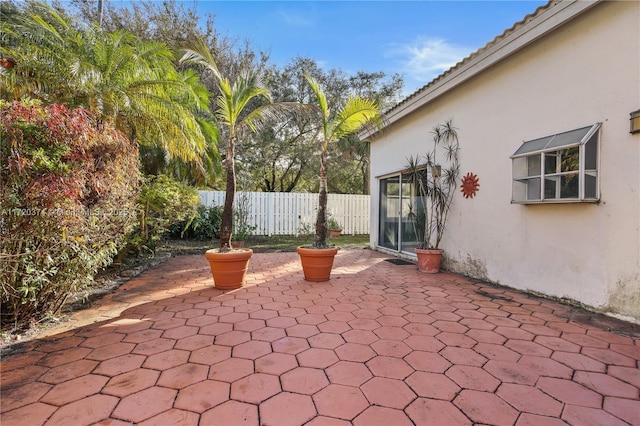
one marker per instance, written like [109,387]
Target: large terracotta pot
[317,263]
[429,260]
[229,268]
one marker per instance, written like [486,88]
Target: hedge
[68,189]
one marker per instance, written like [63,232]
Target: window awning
[558,141]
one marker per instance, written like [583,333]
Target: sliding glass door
[399,209]
[389,213]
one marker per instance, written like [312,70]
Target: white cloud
[426,58]
[294,19]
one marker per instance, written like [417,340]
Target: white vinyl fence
[288,213]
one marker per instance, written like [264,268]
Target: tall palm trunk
[100,12]
[227,212]
[321,220]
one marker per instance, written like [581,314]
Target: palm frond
[321,97]
[198,53]
[271,113]
[356,113]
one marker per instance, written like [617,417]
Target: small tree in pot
[434,186]
[239,108]
[352,116]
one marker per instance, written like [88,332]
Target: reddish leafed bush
[68,188]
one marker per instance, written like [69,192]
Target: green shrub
[66,204]
[242,227]
[205,225]
[163,202]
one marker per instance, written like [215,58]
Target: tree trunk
[296,179]
[227,212]
[100,12]
[321,220]
[364,168]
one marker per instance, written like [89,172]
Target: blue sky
[418,39]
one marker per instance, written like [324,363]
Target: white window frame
[531,176]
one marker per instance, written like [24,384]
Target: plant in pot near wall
[434,184]
[335,229]
[240,109]
[357,112]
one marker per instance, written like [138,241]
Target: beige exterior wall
[584,72]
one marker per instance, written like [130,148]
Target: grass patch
[265,244]
[280,243]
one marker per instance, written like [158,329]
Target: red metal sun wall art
[470,185]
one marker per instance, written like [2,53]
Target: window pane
[412,226]
[550,187]
[569,186]
[412,216]
[407,188]
[590,185]
[533,189]
[533,165]
[519,167]
[551,162]
[519,190]
[569,138]
[534,145]
[591,153]
[570,159]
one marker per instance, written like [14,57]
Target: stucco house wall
[585,71]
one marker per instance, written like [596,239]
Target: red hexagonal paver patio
[378,344]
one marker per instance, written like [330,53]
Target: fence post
[271,213]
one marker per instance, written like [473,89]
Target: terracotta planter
[229,268]
[333,233]
[317,263]
[429,260]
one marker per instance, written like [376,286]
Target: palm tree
[131,83]
[351,117]
[239,108]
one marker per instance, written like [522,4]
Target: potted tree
[434,185]
[240,109]
[357,112]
